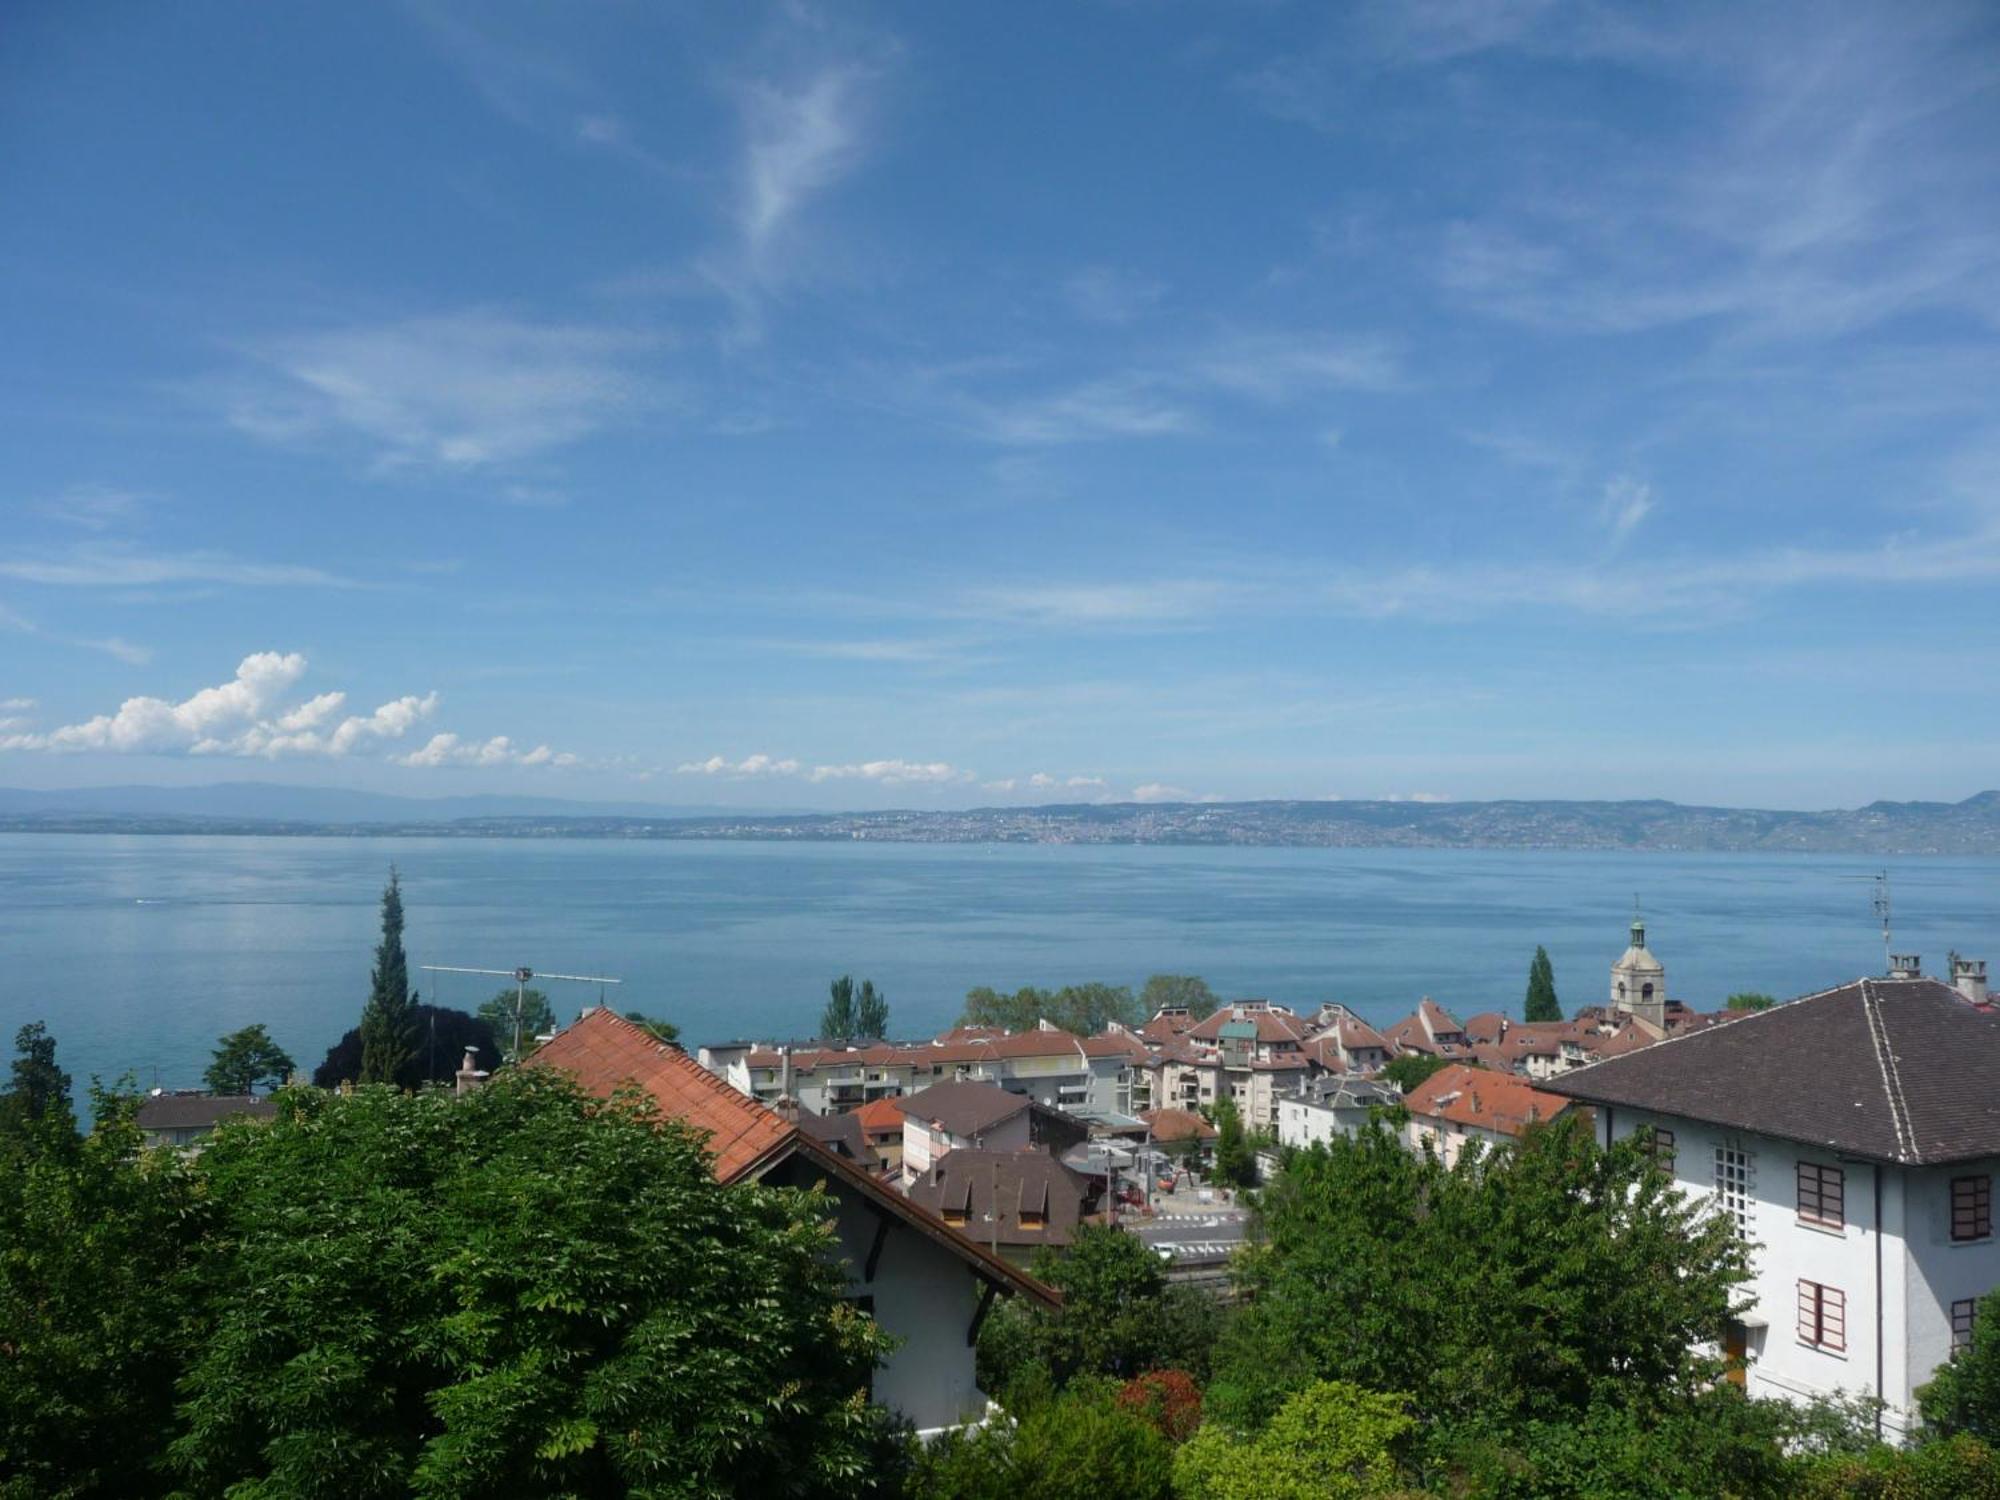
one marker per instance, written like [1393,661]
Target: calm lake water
[140,951]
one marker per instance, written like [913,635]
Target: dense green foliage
[388,1020]
[1750,1000]
[244,1059]
[1964,1395]
[442,1039]
[1541,1003]
[853,1014]
[1082,1008]
[524,1291]
[1411,1069]
[1235,1158]
[517,1016]
[36,1108]
[1119,1317]
[1331,1441]
[1595,1281]
[1081,1444]
[1189,991]
[94,1235]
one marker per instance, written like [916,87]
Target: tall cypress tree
[1542,1004]
[389,1020]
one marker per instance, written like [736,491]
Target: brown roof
[604,1050]
[964,1108]
[1897,1070]
[970,1182]
[1272,1025]
[1177,1125]
[199,1111]
[1439,1018]
[1481,1098]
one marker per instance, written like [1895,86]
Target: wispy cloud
[1112,295]
[461,391]
[106,566]
[117,646]
[1626,503]
[92,507]
[799,138]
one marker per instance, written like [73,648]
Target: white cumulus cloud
[894,773]
[256,714]
[750,765]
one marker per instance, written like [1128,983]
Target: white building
[1327,1107]
[1853,1137]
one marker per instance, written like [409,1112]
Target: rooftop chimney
[1905,966]
[1968,977]
[470,1074]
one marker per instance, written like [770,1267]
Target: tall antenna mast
[521,976]
[1879,902]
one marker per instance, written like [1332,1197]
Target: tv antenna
[521,976]
[1884,910]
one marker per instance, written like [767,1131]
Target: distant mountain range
[1968,827]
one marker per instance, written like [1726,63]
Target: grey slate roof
[966,1182]
[199,1111]
[1898,1070]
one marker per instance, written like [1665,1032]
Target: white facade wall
[926,1144]
[1302,1124]
[925,1296]
[1894,1341]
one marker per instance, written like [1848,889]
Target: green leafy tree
[1750,1000]
[1191,991]
[1235,1158]
[524,1291]
[660,1031]
[1331,1441]
[1119,1317]
[1079,1445]
[1953,1468]
[95,1323]
[36,1112]
[871,1012]
[518,1013]
[1410,1069]
[1541,1003]
[246,1058]
[1081,1008]
[1598,1282]
[837,1021]
[1964,1393]
[388,1020]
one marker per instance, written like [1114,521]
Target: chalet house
[922,1280]
[1012,1202]
[1852,1138]
[1457,1105]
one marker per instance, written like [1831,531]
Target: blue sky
[939,405]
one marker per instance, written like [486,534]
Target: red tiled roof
[1486,1026]
[881,1117]
[1178,1125]
[603,1050]
[1164,1027]
[1438,1018]
[1482,1099]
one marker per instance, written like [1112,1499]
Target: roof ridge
[1892,1079]
[1744,1019]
